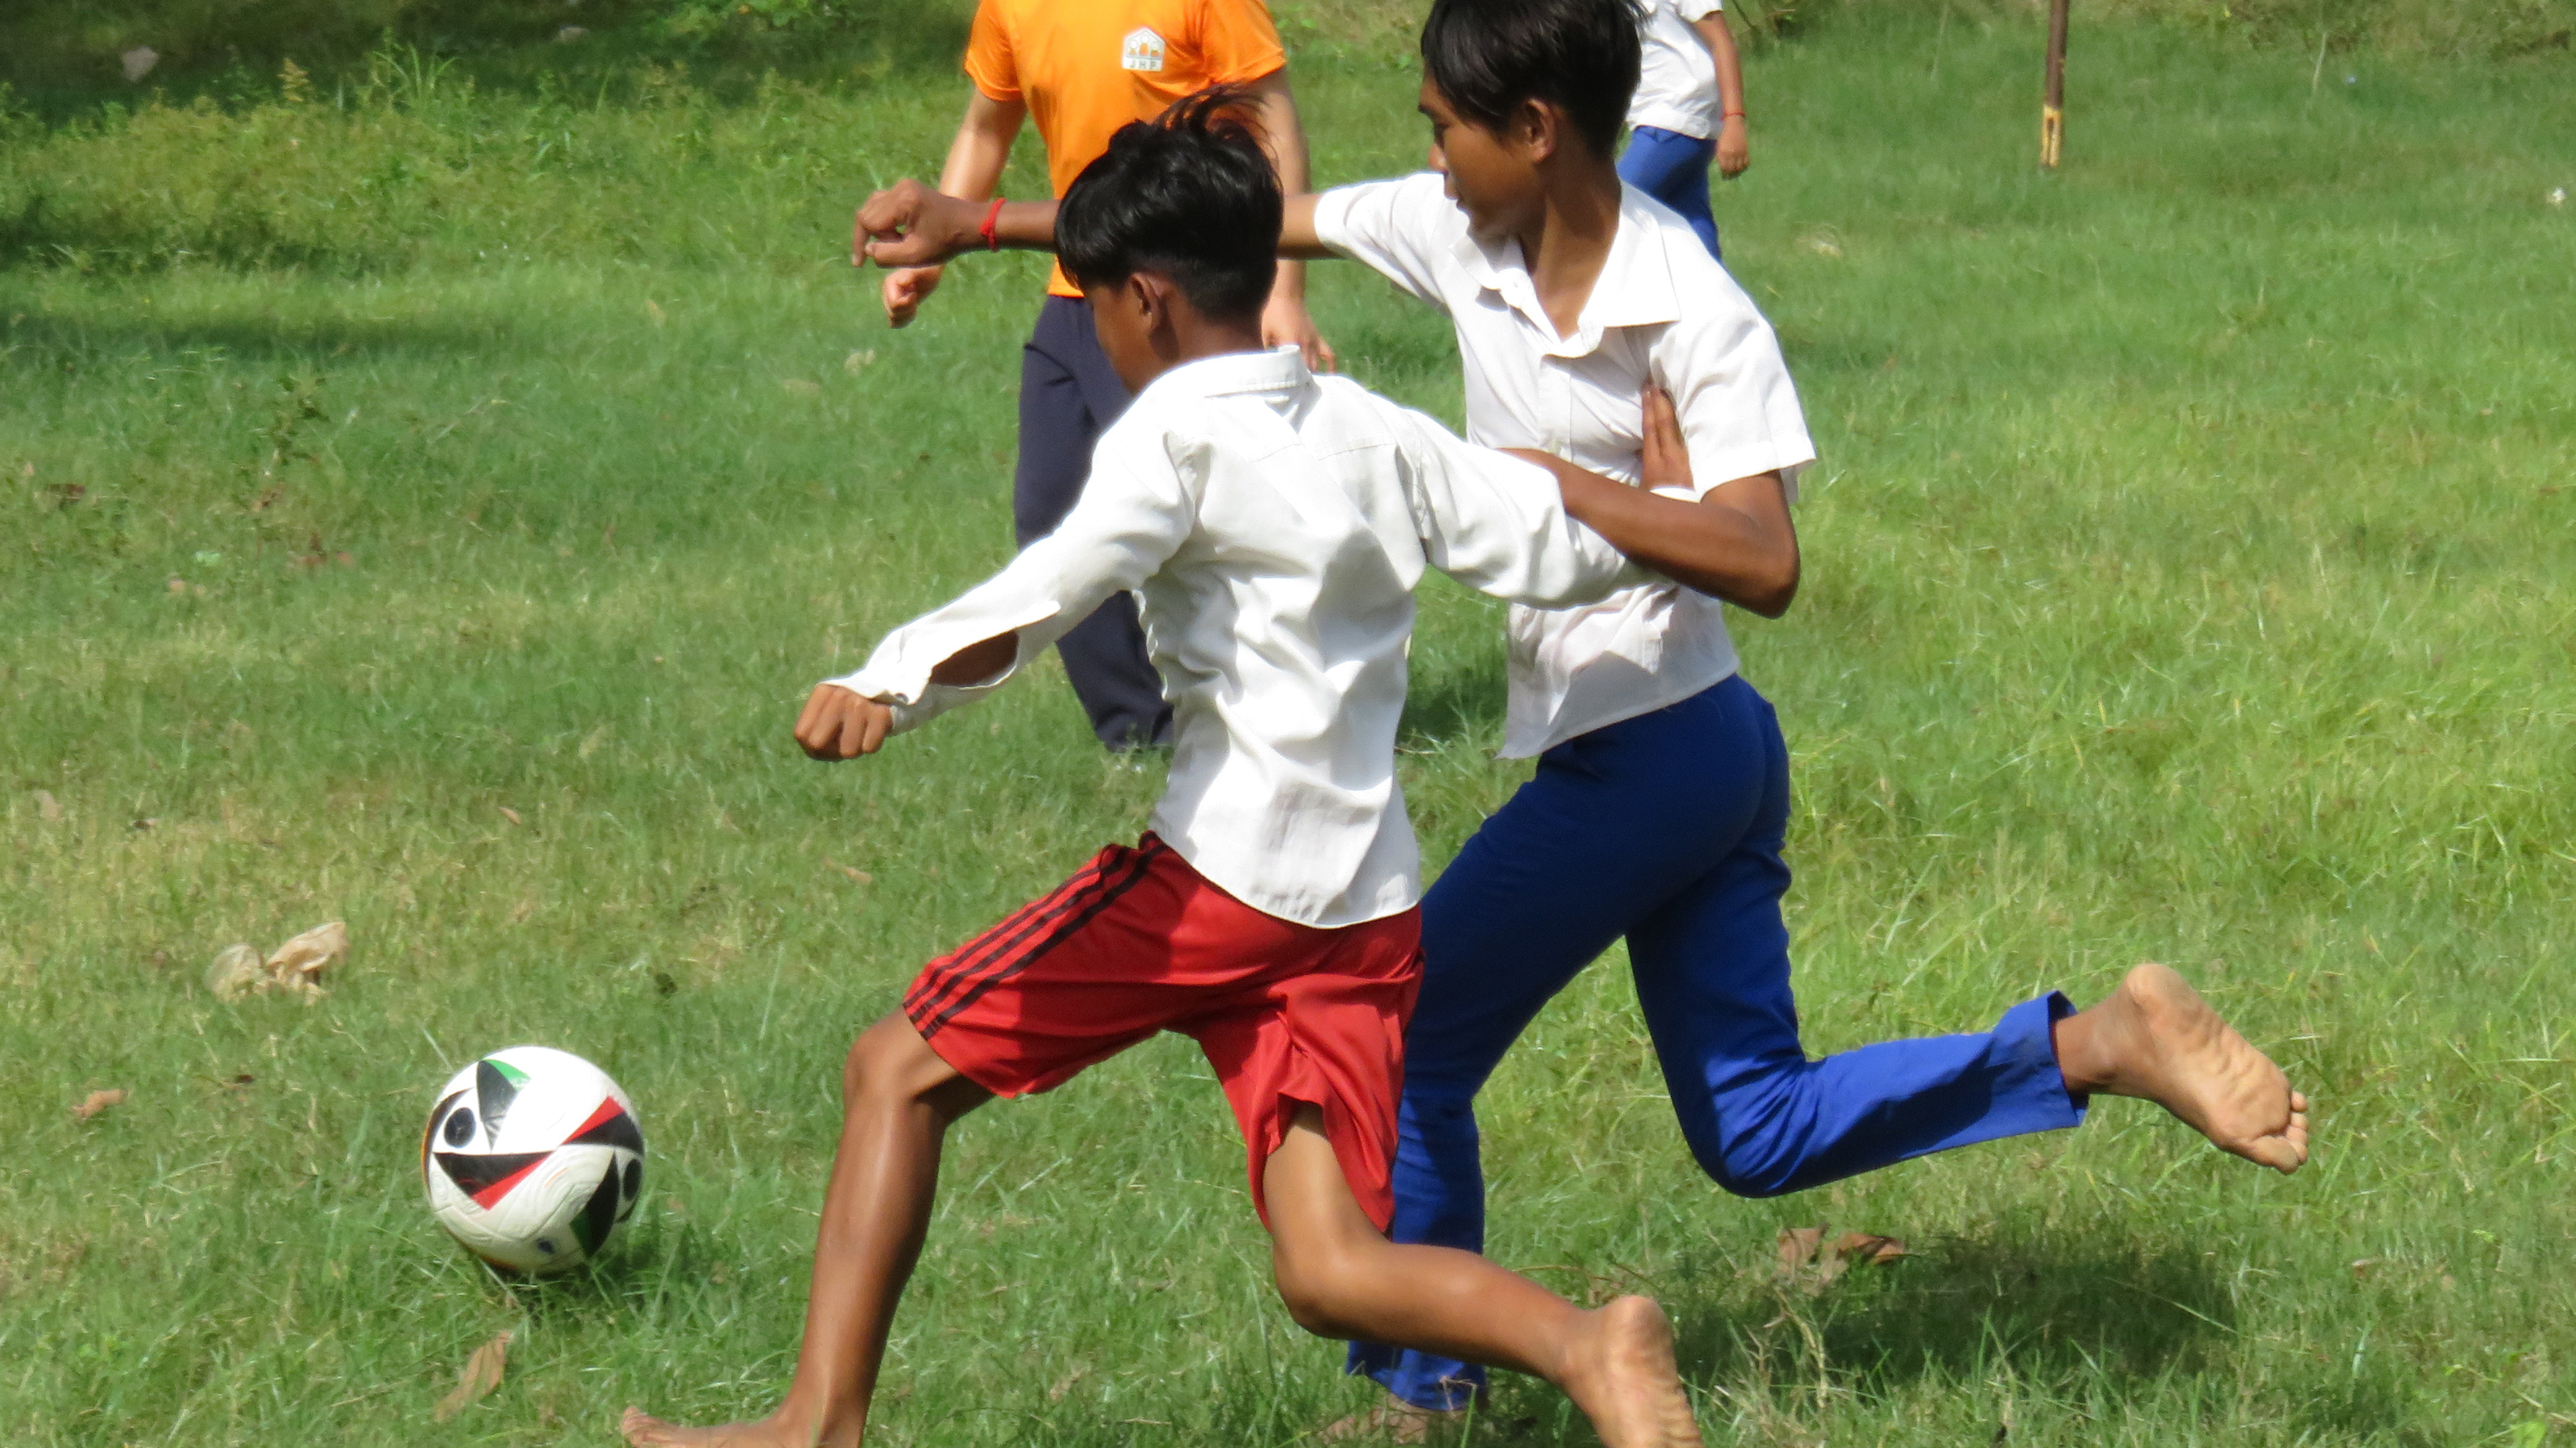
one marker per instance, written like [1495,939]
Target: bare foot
[646,1431]
[1620,1373]
[1395,1422]
[2156,1038]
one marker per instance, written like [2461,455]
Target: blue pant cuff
[2025,1043]
[1435,1385]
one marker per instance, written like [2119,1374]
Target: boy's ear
[1537,128]
[1151,294]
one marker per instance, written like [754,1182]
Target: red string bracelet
[991,241]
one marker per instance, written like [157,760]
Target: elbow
[1772,592]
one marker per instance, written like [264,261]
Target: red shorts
[1137,942]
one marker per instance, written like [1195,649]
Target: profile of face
[1493,174]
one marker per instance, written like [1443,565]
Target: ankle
[2077,1043]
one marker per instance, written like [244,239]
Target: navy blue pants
[1667,829]
[1068,396]
[1673,169]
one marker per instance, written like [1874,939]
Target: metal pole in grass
[2052,105]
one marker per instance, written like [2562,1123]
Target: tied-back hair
[1486,57]
[1190,194]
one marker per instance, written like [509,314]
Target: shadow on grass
[2116,1305]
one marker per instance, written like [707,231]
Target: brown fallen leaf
[48,808]
[857,875]
[482,1374]
[2361,1268]
[511,815]
[97,1102]
[1812,1263]
[296,967]
[801,387]
[1797,1247]
[1869,1247]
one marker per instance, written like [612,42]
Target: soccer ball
[531,1159]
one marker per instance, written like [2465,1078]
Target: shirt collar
[1281,369]
[1635,288]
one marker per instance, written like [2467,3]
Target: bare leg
[1341,1278]
[899,1099]
[2155,1038]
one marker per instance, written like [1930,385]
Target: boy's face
[1492,175]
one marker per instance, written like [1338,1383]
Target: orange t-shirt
[1086,67]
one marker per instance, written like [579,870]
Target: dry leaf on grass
[1869,1247]
[139,62]
[482,1374]
[511,815]
[97,1102]
[1797,1247]
[235,973]
[857,875]
[48,808]
[1811,1263]
[295,968]
[801,387]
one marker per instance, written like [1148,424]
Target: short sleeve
[1238,43]
[1739,411]
[1398,228]
[989,62]
[1696,10]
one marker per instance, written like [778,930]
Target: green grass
[2189,576]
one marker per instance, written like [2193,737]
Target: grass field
[2190,576]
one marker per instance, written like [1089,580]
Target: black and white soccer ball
[532,1159]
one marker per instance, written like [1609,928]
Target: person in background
[1689,108]
[1081,69]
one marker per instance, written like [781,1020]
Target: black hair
[1190,194]
[1486,57]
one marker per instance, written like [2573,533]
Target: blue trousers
[1667,829]
[1673,169]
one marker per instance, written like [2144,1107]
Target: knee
[1743,1163]
[1313,1287]
[889,1062]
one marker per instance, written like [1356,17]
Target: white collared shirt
[1676,75]
[1274,524]
[1662,309]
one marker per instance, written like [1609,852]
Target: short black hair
[1190,194]
[1488,56]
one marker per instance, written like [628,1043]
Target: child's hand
[838,724]
[1666,460]
[911,225]
[1734,149]
[906,287]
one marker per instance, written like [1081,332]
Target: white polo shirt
[1275,524]
[1662,309]
[1676,76]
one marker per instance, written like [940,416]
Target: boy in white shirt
[1275,524]
[1688,110]
[1661,799]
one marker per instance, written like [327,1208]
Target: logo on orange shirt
[1142,49]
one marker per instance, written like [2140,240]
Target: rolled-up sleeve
[1134,513]
[1499,525]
